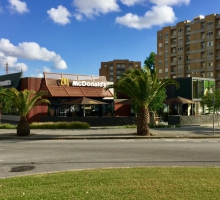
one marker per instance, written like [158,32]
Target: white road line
[1,160]
[197,141]
[169,140]
[213,141]
[181,140]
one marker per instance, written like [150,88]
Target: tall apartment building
[190,49]
[113,69]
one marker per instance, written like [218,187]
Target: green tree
[5,103]
[142,86]
[24,101]
[211,101]
[149,62]
[157,104]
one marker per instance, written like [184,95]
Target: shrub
[8,126]
[59,125]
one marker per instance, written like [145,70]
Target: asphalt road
[20,157]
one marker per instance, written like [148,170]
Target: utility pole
[6,68]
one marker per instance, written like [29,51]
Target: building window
[166,61]
[173,42]
[160,36]
[188,28]
[180,57]
[180,30]
[209,74]
[187,57]
[209,33]
[209,43]
[180,39]
[166,43]
[166,69]
[209,23]
[160,71]
[111,79]
[174,59]
[160,53]
[188,48]
[202,45]
[187,67]
[160,45]
[180,48]
[202,25]
[111,73]
[209,53]
[180,66]
[160,62]
[166,34]
[203,35]
[173,50]
[209,64]
[173,33]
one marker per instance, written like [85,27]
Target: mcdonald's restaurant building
[62,88]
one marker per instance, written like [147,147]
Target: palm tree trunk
[143,121]
[23,128]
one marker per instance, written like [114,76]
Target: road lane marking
[213,141]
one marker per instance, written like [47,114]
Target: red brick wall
[34,84]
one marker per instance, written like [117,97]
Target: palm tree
[24,101]
[142,86]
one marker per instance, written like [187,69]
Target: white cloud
[60,15]
[46,69]
[132,2]
[39,73]
[170,2]
[29,51]
[159,15]
[18,6]
[91,8]
[12,62]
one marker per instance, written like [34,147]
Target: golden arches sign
[64,82]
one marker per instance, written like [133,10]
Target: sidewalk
[186,131]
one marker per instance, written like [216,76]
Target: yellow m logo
[64,82]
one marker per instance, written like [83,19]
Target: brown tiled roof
[56,90]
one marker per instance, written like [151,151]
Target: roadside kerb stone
[187,131]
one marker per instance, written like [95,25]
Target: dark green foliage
[149,62]
[59,125]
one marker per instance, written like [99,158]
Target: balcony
[173,64]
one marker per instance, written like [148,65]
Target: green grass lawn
[129,183]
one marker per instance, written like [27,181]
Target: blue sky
[75,36]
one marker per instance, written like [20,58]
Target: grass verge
[118,184]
